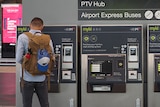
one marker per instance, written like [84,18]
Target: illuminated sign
[11,18]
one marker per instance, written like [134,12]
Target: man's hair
[36,21]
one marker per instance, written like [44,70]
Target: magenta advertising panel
[11,18]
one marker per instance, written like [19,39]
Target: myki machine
[153,56]
[111,66]
[63,78]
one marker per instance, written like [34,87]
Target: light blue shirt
[22,48]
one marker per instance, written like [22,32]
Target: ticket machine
[63,80]
[111,65]
[153,67]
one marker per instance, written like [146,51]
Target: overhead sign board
[118,10]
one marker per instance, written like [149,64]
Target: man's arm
[51,44]
[20,49]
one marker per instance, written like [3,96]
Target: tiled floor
[7,106]
[7,86]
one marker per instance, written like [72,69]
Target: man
[32,83]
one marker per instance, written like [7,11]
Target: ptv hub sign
[92,3]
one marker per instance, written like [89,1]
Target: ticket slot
[103,88]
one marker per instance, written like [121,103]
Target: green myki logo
[87,29]
[152,37]
[85,38]
[154,28]
[22,29]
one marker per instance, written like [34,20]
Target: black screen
[107,67]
